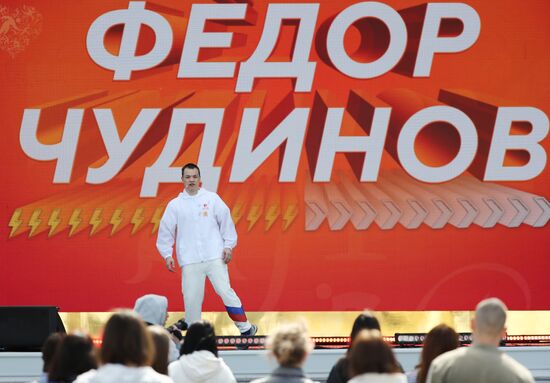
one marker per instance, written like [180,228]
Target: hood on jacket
[152,308]
[200,366]
[186,195]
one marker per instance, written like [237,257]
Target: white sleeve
[167,232]
[173,352]
[225,222]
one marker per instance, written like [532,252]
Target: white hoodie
[372,377]
[200,225]
[118,373]
[200,366]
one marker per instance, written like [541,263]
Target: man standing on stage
[200,224]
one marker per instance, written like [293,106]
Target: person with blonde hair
[290,345]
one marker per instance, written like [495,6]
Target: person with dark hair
[440,339]
[162,341]
[365,321]
[200,226]
[50,346]
[127,352]
[290,345]
[483,361]
[199,360]
[371,360]
[75,355]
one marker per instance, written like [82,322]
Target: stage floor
[251,364]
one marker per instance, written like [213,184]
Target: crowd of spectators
[137,348]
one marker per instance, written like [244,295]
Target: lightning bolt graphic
[54,221]
[137,219]
[74,221]
[237,212]
[156,219]
[253,215]
[116,220]
[35,221]
[15,221]
[95,220]
[290,214]
[271,216]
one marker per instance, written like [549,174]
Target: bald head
[490,318]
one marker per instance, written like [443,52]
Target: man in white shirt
[200,225]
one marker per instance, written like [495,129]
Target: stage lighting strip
[417,339]
[339,342]
[259,341]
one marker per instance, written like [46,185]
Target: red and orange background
[90,248]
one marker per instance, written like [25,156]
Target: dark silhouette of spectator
[48,351]
[199,360]
[440,339]
[126,353]
[162,341]
[365,321]
[290,345]
[75,355]
[371,360]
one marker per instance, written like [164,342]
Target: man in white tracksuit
[200,225]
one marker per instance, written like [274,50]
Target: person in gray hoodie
[199,361]
[153,310]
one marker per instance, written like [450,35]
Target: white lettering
[300,67]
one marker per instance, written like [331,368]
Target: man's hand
[170,264]
[226,256]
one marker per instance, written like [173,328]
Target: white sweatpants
[192,285]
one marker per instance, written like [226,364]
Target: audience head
[290,344]
[74,356]
[126,341]
[369,353]
[365,321]
[161,340]
[440,339]
[152,309]
[200,336]
[50,346]
[489,324]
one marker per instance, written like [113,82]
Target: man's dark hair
[74,356]
[190,165]
[126,341]
[371,355]
[200,336]
[49,348]
[365,321]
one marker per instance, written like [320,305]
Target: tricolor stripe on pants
[236,313]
